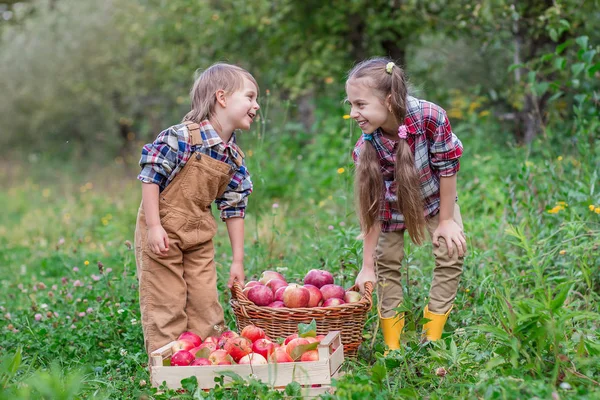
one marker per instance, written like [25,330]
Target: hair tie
[389,66]
[368,136]
[402,132]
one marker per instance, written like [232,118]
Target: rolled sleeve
[161,157]
[234,201]
[445,148]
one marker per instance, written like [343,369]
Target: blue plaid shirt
[164,158]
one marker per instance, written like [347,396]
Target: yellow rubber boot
[392,329]
[432,330]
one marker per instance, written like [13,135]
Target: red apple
[316,297]
[277,304]
[212,339]
[253,359]
[319,338]
[296,297]
[268,275]
[238,347]
[275,284]
[252,283]
[310,355]
[280,356]
[182,345]
[318,278]
[290,337]
[181,358]
[253,333]
[289,347]
[225,336]
[332,302]
[331,291]
[352,296]
[208,345]
[279,294]
[201,361]
[191,337]
[264,347]
[220,357]
[246,290]
[260,295]
[312,339]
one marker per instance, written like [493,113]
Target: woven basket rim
[361,306]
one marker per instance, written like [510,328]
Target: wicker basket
[348,318]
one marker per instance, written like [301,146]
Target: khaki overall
[178,291]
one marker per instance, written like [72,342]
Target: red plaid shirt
[436,150]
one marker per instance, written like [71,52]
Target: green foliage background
[84,84]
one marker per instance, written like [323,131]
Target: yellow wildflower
[562,203]
[484,113]
[340,170]
[250,153]
[597,210]
[562,252]
[560,158]
[591,207]
[346,116]
[86,262]
[329,80]
[528,164]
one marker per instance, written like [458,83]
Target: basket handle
[236,291]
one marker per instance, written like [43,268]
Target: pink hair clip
[402,132]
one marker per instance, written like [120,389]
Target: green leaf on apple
[297,351]
[308,330]
[203,353]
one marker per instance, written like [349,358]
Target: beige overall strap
[194,130]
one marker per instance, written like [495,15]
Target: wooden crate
[276,375]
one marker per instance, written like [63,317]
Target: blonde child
[187,168]
[406,165]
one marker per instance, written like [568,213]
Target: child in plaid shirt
[406,165]
[187,168]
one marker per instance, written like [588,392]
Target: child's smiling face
[368,107]
[242,106]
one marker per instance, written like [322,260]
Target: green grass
[525,324]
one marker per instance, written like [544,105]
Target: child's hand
[365,275]
[453,235]
[158,240]
[236,272]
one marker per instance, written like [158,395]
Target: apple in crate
[318,278]
[277,304]
[238,347]
[352,296]
[266,276]
[310,355]
[182,345]
[280,356]
[225,336]
[253,359]
[263,346]
[275,284]
[260,295]
[252,283]
[332,302]
[191,337]
[290,338]
[212,339]
[316,297]
[332,291]
[296,296]
[253,333]
[220,357]
[181,358]
[200,362]
[211,346]
[289,347]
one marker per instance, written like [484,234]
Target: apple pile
[251,346]
[319,290]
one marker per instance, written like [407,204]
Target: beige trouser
[446,274]
[178,291]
